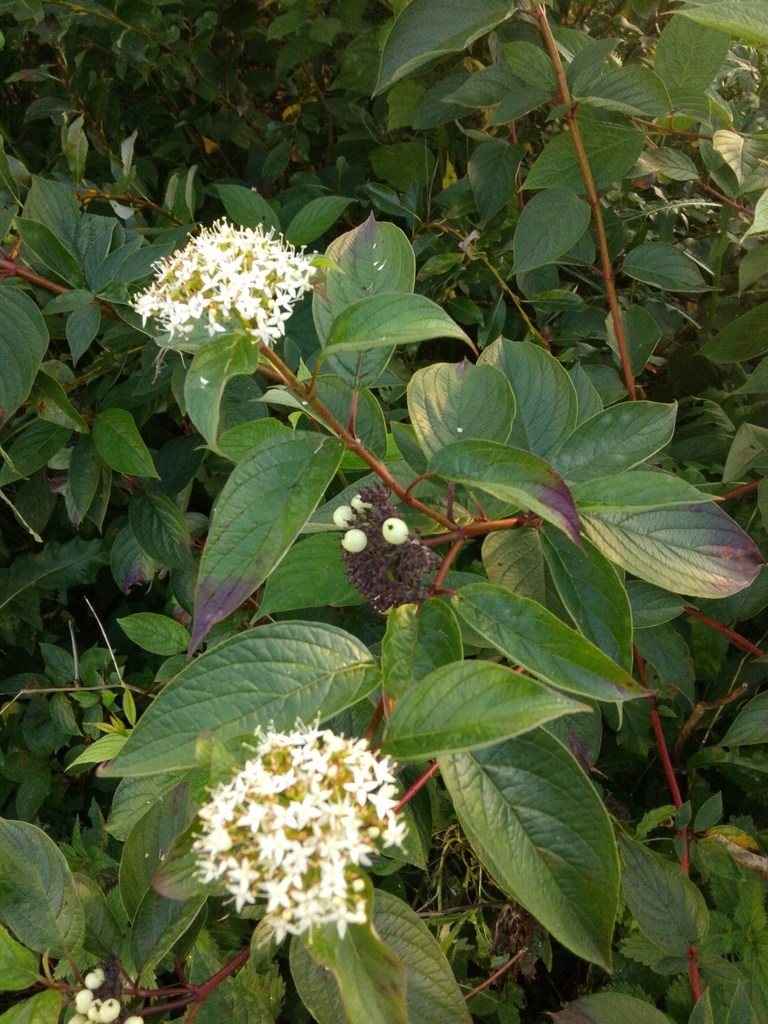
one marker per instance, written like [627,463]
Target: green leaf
[750,725]
[156,633]
[131,565]
[511,475]
[448,400]
[672,163]
[664,901]
[641,334]
[23,343]
[746,19]
[158,925]
[545,397]
[537,824]
[102,932]
[748,451]
[44,1008]
[38,901]
[427,29]
[32,449]
[119,443]
[531,64]
[593,595]
[759,226]
[84,475]
[275,673]
[56,567]
[51,203]
[312,575]
[160,528]
[257,516]
[741,1010]
[485,88]
[609,1008]
[133,798]
[634,491]
[247,208]
[533,637]
[19,968]
[400,164]
[688,57]
[83,325]
[633,89]
[612,145]
[50,402]
[419,639]
[383,321]
[104,749]
[664,266]
[697,550]
[214,365]
[652,606]
[431,990]
[616,440]
[702,1011]
[44,244]
[466,705]
[549,225]
[371,977]
[150,840]
[373,259]
[238,442]
[518,103]
[743,338]
[492,170]
[513,559]
[315,218]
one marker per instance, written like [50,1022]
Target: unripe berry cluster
[91,1009]
[393,530]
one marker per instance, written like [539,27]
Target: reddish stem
[443,570]
[518,174]
[735,638]
[744,489]
[477,530]
[724,199]
[376,717]
[497,974]
[411,792]
[669,771]
[199,993]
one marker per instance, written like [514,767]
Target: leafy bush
[515,371]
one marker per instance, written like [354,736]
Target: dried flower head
[228,277]
[297,824]
[387,574]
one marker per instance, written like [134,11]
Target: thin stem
[698,712]
[10,269]
[540,14]
[735,638]
[744,489]
[443,571]
[724,199]
[352,443]
[376,717]
[497,974]
[478,529]
[411,792]
[199,993]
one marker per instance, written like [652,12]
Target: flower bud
[344,516]
[95,979]
[110,1010]
[395,531]
[354,541]
[83,1000]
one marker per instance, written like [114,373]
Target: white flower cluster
[296,825]
[228,277]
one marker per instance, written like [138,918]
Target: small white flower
[228,278]
[301,818]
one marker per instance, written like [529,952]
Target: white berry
[95,979]
[83,1000]
[358,504]
[94,1010]
[133,1020]
[354,541]
[80,1018]
[110,1010]
[344,516]
[395,531]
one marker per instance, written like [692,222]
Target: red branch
[669,771]
[411,792]
[735,638]
[744,489]
[199,993]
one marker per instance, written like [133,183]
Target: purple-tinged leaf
[258,514]
[513,475]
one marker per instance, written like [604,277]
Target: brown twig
[724,199]
[376,717]
[446,565]
[497,974]
[412,790]
[693,719]
[480,529]
[540,14]
[744,489]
